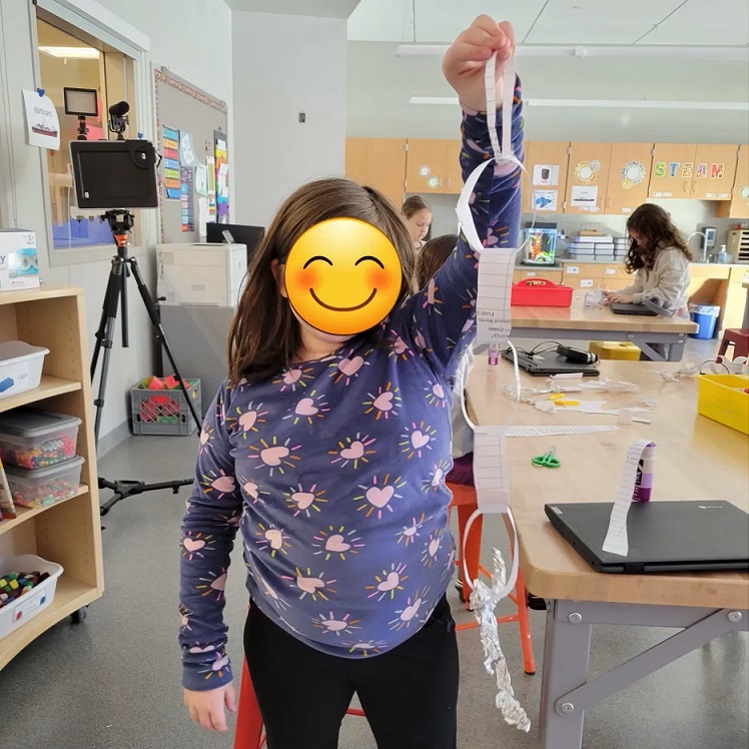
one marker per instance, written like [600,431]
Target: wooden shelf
[26,513]
[49,387]
[70,596]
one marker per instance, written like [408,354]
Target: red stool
[739,337]
[249,730]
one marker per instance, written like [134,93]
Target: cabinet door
[629,177]
[356,159]
[551,274]
[426,166]
[587,177]
[453,174]
[673,170]
[739,205]
[714,172]
[386,167]
[545,183]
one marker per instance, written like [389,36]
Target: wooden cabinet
[453,173]
[582,275]
[378,163]
[629,177]
[545,180]
[738,207]
[714,172]
[68,532]
[673,170]
[587,177]
[736,296]
[550,274]
[426,166]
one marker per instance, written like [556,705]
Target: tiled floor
[113,682]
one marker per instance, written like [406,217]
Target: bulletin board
[191,136]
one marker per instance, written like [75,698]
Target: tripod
[121,223]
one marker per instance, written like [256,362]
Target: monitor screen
[240,233]
[114,173]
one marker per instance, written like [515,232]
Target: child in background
[660,258]
[328,454]
[418,217]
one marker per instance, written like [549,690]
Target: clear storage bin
[20,367]
[44,486]
[36,439]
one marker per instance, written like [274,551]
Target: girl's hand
[617,297]
[207,708]
[464,62]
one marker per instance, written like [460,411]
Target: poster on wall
[545,200]
[187,198]
[545,174]
[210,165]
[585,197]
[222,176]
[170,151]
[186,152]
[42,123]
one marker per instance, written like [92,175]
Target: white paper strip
[531,431]
[617,540]
[493,313]
[490,468]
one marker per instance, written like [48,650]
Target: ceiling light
[736,106]
[77,53]
[664,51]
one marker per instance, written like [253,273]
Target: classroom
[374,374]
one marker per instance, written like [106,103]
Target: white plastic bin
[36,439]
[44,486]
[20,367]
[25,608]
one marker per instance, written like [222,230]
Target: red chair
[739,338]
[249,730]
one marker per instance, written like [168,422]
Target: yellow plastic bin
[723,398]
[615,350]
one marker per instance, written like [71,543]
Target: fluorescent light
[77,53]
[728,53]
[736,106]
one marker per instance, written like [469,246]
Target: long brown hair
[264,335]
[657,231]
[413,204]
[432,257]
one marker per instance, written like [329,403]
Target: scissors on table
[547,460]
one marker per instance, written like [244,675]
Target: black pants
[409,694]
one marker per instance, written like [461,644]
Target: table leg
[566,655]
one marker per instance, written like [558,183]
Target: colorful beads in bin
[53,491]
[51,452]
[13,585]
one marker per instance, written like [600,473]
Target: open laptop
[683,536]
[549,363]
[628,308]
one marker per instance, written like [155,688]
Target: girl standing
[329,453]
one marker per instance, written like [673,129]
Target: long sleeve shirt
[333,471]
[667,281]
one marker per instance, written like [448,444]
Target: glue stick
[644,480]
[493,355]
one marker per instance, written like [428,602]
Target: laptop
[683,536]
[628,308]
[549,363]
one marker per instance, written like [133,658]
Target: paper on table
[533,431]
[617,540]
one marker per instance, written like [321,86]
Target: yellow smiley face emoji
[342,276]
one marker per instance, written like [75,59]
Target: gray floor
[113,682]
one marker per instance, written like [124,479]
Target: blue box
[19,264]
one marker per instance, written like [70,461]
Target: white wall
[197,48]
[284,65]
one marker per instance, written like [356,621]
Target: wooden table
[696,458]
[600,323]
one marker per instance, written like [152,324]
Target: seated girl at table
[660,258]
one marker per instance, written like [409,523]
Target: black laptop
[683,536]
[629,308]
[549,363]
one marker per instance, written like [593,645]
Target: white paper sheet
[584,196]
[493,313]
[617,539]
[533,431]
[42,122]
[546,200]
[546,175]
[490,468]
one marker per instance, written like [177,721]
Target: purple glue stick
[493,355]
[644,480]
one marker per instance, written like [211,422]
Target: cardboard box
[19,265]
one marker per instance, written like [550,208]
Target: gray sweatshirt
[667,281]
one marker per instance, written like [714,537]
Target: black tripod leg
[105,339]
[153,314]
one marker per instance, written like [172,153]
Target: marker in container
[644,480]
[493,356]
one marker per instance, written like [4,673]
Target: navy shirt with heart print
[333,471]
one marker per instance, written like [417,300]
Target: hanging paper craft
[633,173]
[42,123]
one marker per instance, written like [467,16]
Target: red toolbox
[540,292]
